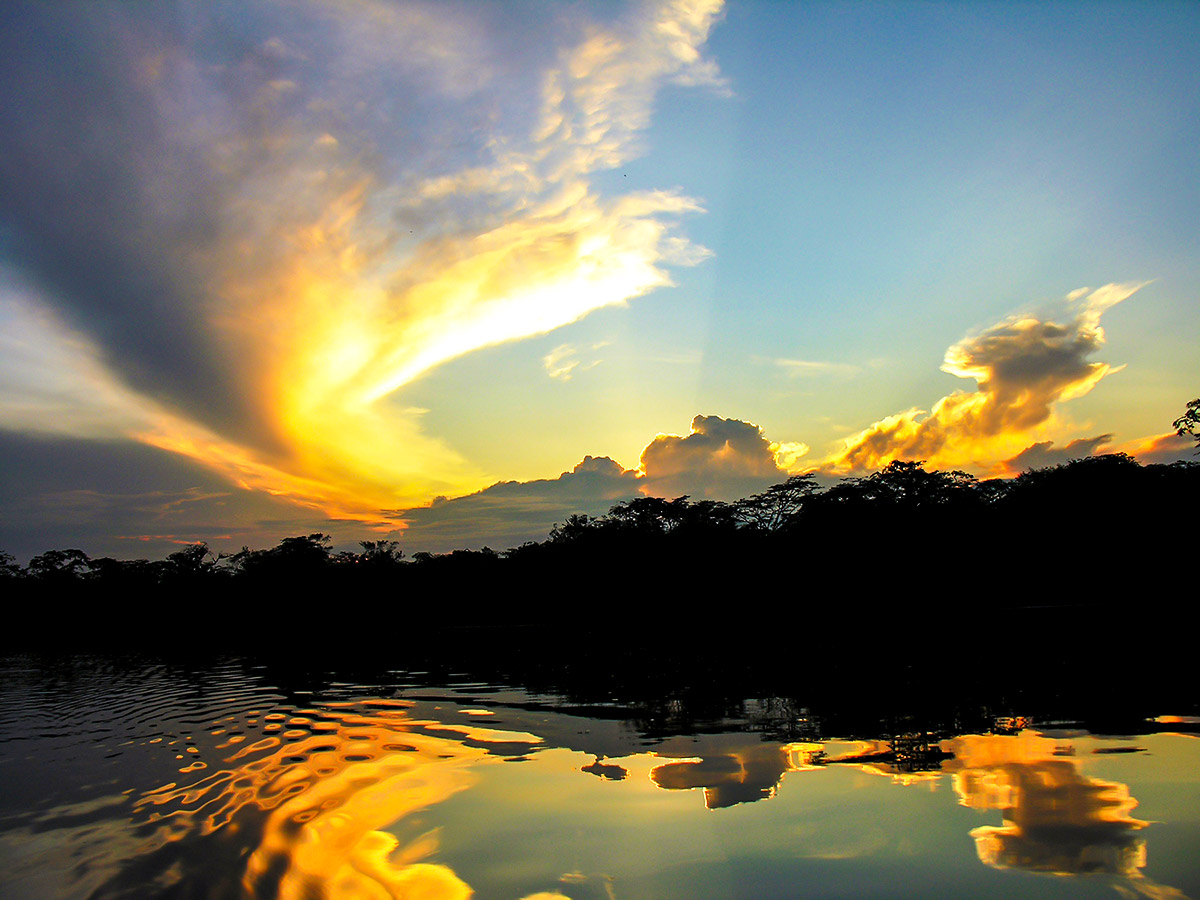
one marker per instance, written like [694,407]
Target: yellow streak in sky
[327,308]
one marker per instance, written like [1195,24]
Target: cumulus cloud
[1023,367]
[719,459]
[264,237]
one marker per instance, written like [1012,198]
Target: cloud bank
[722,459]
[509,513]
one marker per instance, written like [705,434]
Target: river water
[134,778]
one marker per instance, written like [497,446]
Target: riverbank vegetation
[903,543]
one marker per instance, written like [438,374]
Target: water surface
[133,778]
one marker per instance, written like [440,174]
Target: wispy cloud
[561,362]
[1160,448]
[564,361]
[799,367]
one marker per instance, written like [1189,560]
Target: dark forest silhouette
[901,509]
[904,545]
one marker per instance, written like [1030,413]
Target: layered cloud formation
[256,225]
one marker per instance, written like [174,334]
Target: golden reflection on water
[327,801]
[1056,819]
[327,794]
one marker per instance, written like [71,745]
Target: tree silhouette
[909,485]
[574,528]
[1189,422]
[195,561]
[59,565]
[774,507]
[380,554]
[294,557]
[649,515]
[1107,514]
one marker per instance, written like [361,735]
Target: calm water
[135,779]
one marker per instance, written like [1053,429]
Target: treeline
[904,545]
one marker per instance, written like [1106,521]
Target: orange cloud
[1023,367]
[1161,448]
[1045,454]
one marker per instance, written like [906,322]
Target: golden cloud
[1023,367]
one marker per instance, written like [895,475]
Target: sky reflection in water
[151,782]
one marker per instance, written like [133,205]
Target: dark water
[132,778]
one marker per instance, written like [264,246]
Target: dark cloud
[127,500]
[1044,454]
[158,164]
[268,217]
[721,459]
[102,206]
[512,512]
[97,495]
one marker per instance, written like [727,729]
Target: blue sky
[881,180]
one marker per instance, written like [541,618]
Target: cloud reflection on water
[1056,819]
[739,775]
[378,798]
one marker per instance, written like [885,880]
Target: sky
[448,272]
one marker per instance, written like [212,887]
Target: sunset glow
[344,259]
